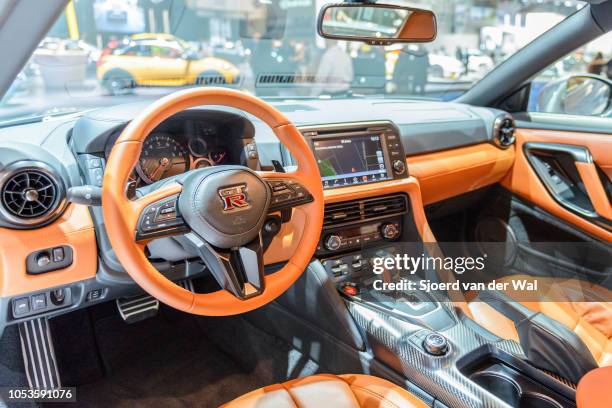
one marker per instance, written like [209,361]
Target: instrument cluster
[172,150]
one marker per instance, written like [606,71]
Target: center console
[351,155]
[419,334]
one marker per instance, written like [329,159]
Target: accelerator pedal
[135,309]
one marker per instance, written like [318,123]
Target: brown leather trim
[581,306]
[600,145]
[376,392]
[349,390]
[121,214]
[523,181]
[453,172]
[73,228]
[493,321]
[594,389]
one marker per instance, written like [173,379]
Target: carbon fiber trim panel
[438,376]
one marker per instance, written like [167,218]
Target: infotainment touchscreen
[351,160]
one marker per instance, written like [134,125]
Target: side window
[578,84]
[165,52]
[137,51]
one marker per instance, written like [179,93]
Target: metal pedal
[38,354]
[186,284]
[137,308]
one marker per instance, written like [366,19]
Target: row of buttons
[49,259]
[251,151]
[392,142]
[160,216]
[343,266]
[41,302]
[22,306]
[95,169]
[286,193]
[395,153]
[345,243]
[57,255]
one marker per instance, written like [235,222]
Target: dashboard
[365,165]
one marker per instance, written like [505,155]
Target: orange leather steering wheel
[218,210]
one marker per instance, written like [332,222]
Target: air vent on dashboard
[31,194]
[503,130]
[364,210]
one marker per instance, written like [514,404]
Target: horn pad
[225,205]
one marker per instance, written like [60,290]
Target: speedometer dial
[162,156]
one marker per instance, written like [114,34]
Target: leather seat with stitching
[584,308]
[325,390]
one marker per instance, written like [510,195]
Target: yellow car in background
[161,60]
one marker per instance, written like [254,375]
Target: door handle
[571,177]
[595,190]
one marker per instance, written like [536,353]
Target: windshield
[105,52]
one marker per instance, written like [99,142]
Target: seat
[593,390]
[584,308]
[324,390]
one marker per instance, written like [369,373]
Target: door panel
[558,172]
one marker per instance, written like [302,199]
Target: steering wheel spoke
[239,271]
[287,191]
[159,215]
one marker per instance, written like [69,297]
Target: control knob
[435,344]
[399,166]
[43,260]
[333,242]
[389,231]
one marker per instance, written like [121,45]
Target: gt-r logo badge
[234,198]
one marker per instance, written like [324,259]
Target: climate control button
[389,231]
[333,242]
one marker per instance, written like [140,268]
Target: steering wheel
[219,211]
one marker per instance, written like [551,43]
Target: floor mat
[167,361]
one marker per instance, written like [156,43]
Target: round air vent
[31,194]
[503,131]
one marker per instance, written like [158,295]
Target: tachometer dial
[198,147]
[162,156]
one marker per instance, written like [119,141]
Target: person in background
[369,68]
[113,43]
[410,74]
[597,64]
[335,72]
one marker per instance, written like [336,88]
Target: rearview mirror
[379,24]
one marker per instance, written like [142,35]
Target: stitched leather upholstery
[346,391]
[563,301]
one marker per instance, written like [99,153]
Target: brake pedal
[137,308]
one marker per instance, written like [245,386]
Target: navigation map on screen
[351,160]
